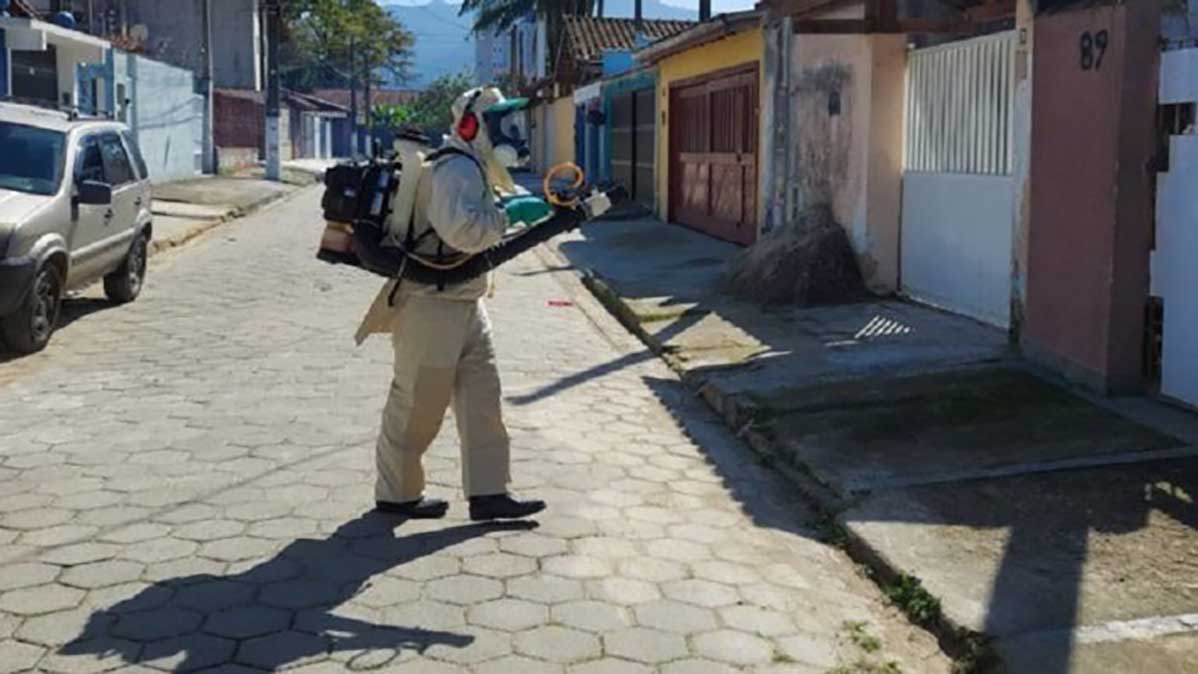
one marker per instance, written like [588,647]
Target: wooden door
[713,154]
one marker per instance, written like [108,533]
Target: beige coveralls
[442,342]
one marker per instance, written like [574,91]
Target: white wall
[956,243]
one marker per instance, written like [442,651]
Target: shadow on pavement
[280,610]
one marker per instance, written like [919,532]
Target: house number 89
[1093,49]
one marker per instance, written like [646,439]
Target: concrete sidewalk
[186,209]
[1058,529]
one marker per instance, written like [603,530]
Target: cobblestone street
[186,484]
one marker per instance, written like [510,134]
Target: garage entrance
[713,154]
[958,193]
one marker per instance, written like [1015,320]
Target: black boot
[503,507]
[420,509]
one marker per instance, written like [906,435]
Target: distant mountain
[444,44]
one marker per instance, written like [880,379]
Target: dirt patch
[806,263]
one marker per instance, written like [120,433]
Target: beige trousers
[443,353]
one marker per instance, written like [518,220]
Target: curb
[970,649]
[204,226]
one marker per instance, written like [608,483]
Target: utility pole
[600,8]
[366,106]
[704,10]
[353,100]
[638,15]
[274,27]
[208,160]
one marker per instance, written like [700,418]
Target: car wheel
[124,284]
[29,329]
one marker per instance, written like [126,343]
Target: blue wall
[3,65]
[164,112]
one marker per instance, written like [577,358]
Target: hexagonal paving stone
[464,590]
[237,549]
[55,629]
[188,653]
[605,547]
[645,645]
[210,530]
[736,648]
[159,550]
[245,622]
[427,568]
[698,666]
[18,657]
[283,649]
[428,615]
[516,664]
[499,565]
[674,616]
[679,550]
[36,518]
[299,594]
[214,595]
[155,624]
[557,644]
[809,649]
[257,511]
[40,599]
[701,593]
[383,592]
[577,566]
[625,591]
[59,535]
[102,574]
[545,589]
[177,570]
[136,533]
[592,616]
[81,553]
[652,570]
[726,572]
[283,528]
[787,576]
[757,620]
[511,615]
[610,666]
[27,574]
[90,656]
[470,645]
[532,545]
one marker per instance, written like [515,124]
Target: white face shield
[506,130]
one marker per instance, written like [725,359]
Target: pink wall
[1092,129]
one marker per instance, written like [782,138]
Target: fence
[959,107]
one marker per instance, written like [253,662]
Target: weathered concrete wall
[1092,137]
[175,29]
[848,147]
[738,49]
[561,128]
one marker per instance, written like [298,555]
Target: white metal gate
[1174,274]
[958,194]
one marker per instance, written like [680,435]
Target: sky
[717,6]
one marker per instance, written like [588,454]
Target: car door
[89,224]
[127,201]
[143,179]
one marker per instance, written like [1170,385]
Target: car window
[31,159]
[90,165]
[116,161]
[138,159]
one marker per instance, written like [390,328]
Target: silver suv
[74,208]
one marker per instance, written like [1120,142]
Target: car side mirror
[95,193]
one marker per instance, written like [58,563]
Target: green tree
[331,42]
[432,109]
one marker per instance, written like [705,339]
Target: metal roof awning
[883,16]
[718,27]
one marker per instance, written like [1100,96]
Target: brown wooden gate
[713,153]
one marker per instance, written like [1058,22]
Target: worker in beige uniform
[441,335]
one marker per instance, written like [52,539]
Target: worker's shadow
[193,622]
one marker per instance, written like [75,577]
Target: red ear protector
[468,125]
